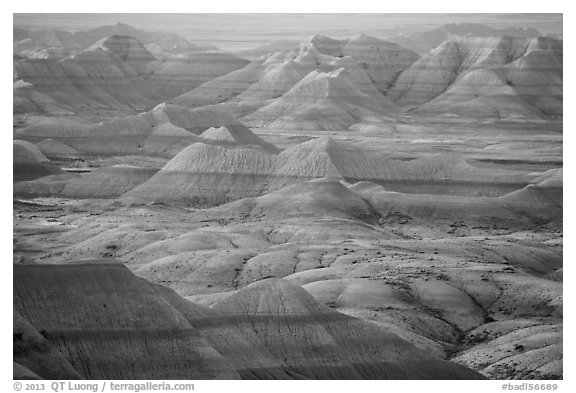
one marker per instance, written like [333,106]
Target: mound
[322,197]
[279,315]
[543,204]
[27,152]
[29,163]
[46,186]
[21,372]
[56,149]
[532,204]
[551,178]
[35,356]
[326,157]
[167,140]
[115,325]
[241,136]
[129,49]
[205,174]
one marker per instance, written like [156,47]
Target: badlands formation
[353,208]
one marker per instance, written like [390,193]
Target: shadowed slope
[321,197]
[109,324]
[29,163]
[122,327]
[312,341]
[33,351]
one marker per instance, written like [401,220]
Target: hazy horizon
[242,31]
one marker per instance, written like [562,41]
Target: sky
[242,31]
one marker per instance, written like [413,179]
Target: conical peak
[319,38]
[219,133]
[366,39]
[120,37]
[326,143]
[117,41]
[274,296]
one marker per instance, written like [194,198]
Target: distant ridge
[423,42]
